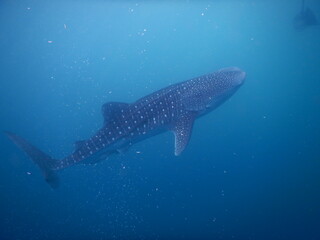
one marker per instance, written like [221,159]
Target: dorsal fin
[110,109]
[79,144]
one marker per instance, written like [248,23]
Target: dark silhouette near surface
[304,18]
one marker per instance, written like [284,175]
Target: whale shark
[173,108]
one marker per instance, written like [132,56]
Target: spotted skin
[170,109]
[156,113]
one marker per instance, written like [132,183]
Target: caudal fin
[44,161]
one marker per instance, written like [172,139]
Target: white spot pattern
[155,111]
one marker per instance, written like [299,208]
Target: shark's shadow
[304,18]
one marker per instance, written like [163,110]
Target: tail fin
[44,161]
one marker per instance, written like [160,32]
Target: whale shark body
[174,108]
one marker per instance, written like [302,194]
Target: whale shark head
[228,78]
[211,90]
[223,84]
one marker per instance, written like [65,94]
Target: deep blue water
[252,167]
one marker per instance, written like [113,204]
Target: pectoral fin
[182,131]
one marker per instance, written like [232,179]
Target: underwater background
[252,167]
